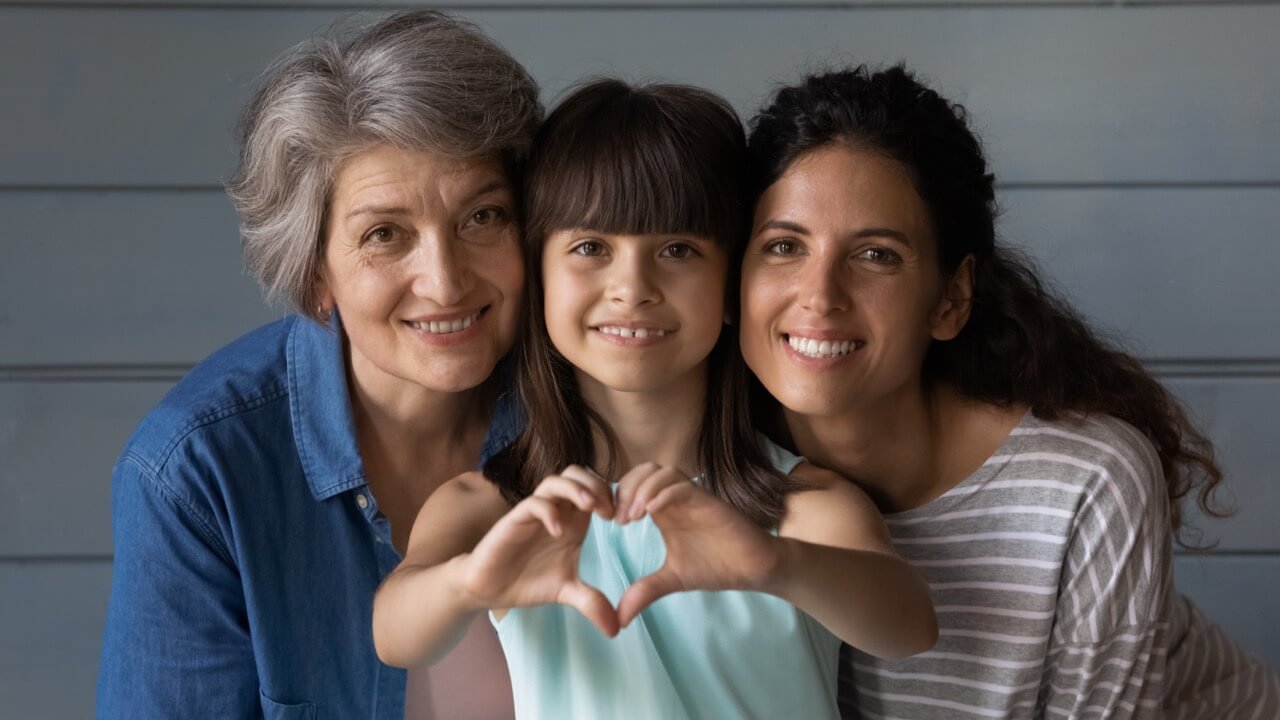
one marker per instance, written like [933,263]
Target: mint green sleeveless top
[688,656]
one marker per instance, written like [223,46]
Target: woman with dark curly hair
[1032,472]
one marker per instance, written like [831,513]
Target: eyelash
[497,215]
[371,237]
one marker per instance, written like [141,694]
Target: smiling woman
[258,507]
[1031,472]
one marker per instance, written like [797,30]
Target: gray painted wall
[1137,145]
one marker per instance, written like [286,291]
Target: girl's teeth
[444,327]
[639,333]
[821,348]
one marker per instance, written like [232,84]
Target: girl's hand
[710,545]
[530,556]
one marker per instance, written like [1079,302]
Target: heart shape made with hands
[530,556]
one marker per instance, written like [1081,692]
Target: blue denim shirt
[248,546]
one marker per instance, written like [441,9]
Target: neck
[890,448]
[662,426]
[403,428]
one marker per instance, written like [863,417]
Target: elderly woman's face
[423,262]
[840,283]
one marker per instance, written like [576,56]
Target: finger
[593,605]
[594,484]
[545,510]
[653,486]
[672,495]
[556,487]
[627,485]
[644,593]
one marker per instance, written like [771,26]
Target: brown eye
[588,248]
[487,216]
[881,256]
[782,247]
[679,251]
[380,235]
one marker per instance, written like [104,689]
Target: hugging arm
[832,557]
[469,552]
[837,563]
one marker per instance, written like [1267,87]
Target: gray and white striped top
[1051,574]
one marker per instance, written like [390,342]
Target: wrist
[781,570]
[461,595]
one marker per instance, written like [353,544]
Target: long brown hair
[1021,345]
[636,160]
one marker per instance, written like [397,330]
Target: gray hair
[418,80]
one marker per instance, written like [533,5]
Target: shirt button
[362,501]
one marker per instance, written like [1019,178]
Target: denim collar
[320,407]
[324,428]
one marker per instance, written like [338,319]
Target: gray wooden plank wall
[1137,144]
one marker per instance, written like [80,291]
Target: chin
[466,374]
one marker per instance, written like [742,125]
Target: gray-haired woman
[257,508]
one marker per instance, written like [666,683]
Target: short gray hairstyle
[418,80]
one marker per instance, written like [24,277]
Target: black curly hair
[1021,345]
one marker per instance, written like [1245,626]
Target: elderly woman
[1032,473]
[257,508]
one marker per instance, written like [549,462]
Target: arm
[836,562]
[832,557]
[176,635]
[420,611]
[1107,651]
[468,554]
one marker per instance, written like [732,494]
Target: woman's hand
[530,556]
[710,545]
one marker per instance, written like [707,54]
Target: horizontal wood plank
[1107,94]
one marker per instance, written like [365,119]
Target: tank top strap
[782,459]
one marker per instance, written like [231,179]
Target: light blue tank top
[688,656]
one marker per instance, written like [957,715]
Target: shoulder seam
[213,416]
[175,498]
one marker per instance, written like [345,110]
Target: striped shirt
[1051,573]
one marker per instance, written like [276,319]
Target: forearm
[872,600]
[420,613]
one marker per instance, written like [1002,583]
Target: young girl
[637,476]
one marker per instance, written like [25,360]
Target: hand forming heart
[530,557]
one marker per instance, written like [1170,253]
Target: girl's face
[841,292]
[633,313]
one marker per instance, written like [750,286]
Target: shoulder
[247,373]
[1100,454]
[830,510]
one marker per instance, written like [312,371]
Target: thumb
[593,605]
[647,590]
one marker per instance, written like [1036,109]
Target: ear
[952,311]
[322,296]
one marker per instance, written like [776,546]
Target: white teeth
[639,333]
[445,327]
[821,348]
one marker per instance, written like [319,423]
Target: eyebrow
[374,209]
[788,226]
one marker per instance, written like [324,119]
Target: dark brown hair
[1021,345]
[619,159]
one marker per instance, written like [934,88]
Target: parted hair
[650,159]
[1021,344]
[418,80]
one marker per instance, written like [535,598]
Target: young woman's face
[423,262]
[840,283]
[633,312]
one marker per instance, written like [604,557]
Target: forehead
[385,170]
[839,187]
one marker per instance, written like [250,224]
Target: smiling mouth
[810,347]
[638,333]
[447,327]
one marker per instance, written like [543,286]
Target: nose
[631,280]
[441,269]
[823,285]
